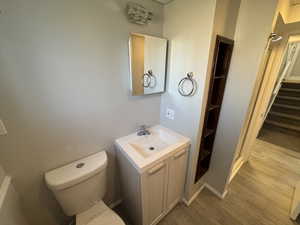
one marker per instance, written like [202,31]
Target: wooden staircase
[285,112]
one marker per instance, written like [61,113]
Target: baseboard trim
[115,203]
[195,195]
[217,193]
[157,220]
[236,167]
[295,207]
[213,190]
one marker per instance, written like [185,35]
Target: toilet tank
[79,185]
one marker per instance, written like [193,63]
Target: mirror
[148,59]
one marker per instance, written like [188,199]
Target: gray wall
[64,85]
[253,28]
[295,72]
[11,211]
[192,48]
[64,90]
[189,26]
[225,21]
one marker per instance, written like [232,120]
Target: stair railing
[292,49]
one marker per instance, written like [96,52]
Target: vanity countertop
[144,151]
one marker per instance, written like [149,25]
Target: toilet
[79,187]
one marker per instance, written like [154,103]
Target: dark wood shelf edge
[217,85]
[204,153]
[212,107]
[200,173]
[208,132]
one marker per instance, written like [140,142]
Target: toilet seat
[108,217]
[99,214]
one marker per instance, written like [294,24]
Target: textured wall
[254,25]
[64,90]
[11,212]
[192,48]
[189,26]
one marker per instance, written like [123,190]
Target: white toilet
[79,188]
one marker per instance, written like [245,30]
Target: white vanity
[153,171]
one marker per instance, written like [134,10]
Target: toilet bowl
[99,214]
[79,187]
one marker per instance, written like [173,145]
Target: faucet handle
[143,130]
[142,127]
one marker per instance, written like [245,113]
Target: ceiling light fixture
[138,14]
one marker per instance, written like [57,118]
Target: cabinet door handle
[156,168]
[178,154]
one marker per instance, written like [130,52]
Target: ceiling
[295,2]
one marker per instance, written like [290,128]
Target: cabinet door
[176,177]
[154,187]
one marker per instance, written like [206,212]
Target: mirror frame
[130,67]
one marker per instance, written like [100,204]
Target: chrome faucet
[142,130]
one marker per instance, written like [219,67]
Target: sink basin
[144,150]
[158,140]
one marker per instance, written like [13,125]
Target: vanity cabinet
[149,195]
[176,178]
[153,190]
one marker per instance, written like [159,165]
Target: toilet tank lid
[76,172]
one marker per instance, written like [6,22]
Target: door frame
[259,102]
[263,96]
[242,152]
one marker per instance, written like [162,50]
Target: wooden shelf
[204,153]
[212,107]
[200,172]
[208,132]
[221,62]
[219,77]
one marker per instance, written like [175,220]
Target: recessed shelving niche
[221,63]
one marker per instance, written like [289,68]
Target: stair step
[283,125]
[283,119]
[291,92]
[291,81]
[286,109]
[291,85]
[288,116]
[281,130]
[285,101]
[288,98]
[287,106]
[290,89]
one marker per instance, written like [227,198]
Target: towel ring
[149,79]
[146,80]
[193,87]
